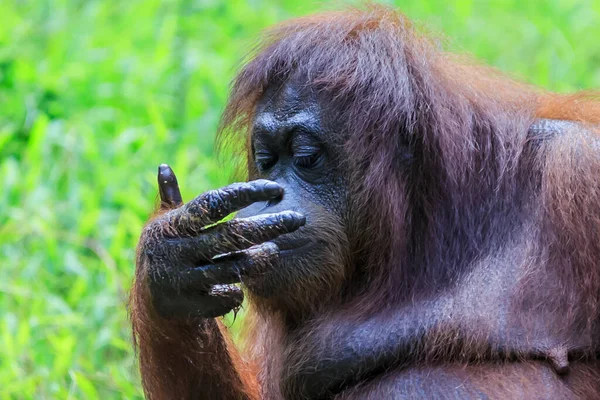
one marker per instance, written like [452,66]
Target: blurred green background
[95,94]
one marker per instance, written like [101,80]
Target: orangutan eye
[307,161]
[307,152]
[265,160]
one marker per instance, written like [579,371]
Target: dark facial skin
[339,352]
[292,147]
[287,233]
[194,264]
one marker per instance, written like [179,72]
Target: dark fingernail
[267,247]
[165,172]
[232,255]
[163,167]
[273,189]
[230,294]
[292,220]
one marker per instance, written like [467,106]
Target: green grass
[95,94]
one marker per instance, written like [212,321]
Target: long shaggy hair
[444,167]
[464,127]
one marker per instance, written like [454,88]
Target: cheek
[329,197]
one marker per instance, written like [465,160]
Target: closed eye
[265,160]
[307,161]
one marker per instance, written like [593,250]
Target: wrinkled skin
[194,263]
[291,235]
[281,236]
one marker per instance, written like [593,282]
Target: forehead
[292,102]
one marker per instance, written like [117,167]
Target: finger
[243,233]
[234,235]
[223,299]
[219,301]
[168,188]
[230,268]
[213,206]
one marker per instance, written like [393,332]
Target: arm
[181,287]
[340,351]
[487,318]
[187,359]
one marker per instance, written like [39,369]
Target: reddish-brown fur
[390,79]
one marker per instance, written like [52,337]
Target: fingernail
[226,256]
[163,167]
[266,247]
[165,172]
[293,220]
[270,247]
[273,189]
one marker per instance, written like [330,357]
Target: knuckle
[213,204]
[150,229]
[160,255]
[214,242]
[214,198]
[151,239]
[281,218]
[239,193]
[157,228]
[239,228]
